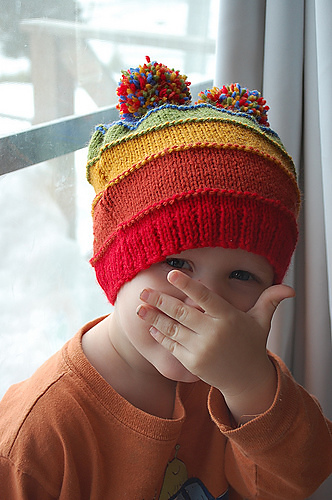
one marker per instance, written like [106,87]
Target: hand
[221,345]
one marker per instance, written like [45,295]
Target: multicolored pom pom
[150,86]
[237,99]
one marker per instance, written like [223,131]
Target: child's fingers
[173,336]
[168,313]
[210,302]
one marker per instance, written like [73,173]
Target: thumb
[268,302]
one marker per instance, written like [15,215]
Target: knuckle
[168,344]
[158,323]
[180,313]
[172,331]
[159,301]
[204,296]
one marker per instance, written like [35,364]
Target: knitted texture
[187,176]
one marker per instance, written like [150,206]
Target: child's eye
[241,275]
[178,263]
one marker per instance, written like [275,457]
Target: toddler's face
[236,275]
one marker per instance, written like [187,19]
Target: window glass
[59,59]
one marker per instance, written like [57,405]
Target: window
[61,60]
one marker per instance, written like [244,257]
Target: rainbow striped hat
[171,176]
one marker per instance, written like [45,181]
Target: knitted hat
[171,176]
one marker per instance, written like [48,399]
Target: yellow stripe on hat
[117,158]
[199,145]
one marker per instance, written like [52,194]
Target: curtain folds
[283,49]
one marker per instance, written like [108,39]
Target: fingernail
[141,311]
[153,331]
[173,276]
[144,295]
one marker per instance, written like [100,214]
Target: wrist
[256,398]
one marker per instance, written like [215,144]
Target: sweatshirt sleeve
[17,485]
[286,452]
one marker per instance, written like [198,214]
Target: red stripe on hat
[207,219]
[191,170]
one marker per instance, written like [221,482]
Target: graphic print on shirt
[177,486]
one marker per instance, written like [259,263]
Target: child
[173,395]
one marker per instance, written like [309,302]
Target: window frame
[59,137]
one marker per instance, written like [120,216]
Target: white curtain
[283,48]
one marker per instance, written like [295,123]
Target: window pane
[58,59]
[61,58]
[48,287]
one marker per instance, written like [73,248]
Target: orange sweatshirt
[65,433]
